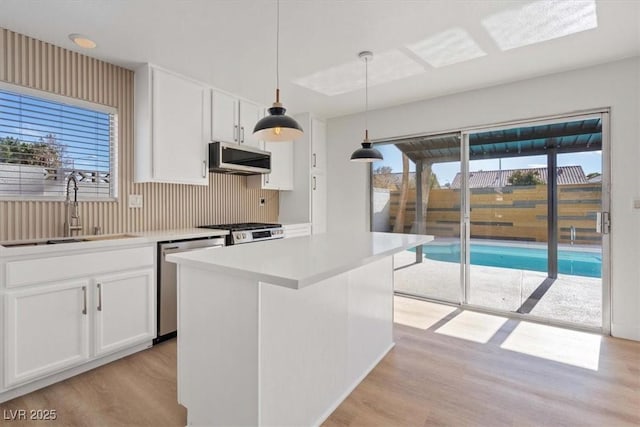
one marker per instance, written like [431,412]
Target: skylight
[447,48]
[540,21]
[385,67]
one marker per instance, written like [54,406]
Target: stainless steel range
[248,232]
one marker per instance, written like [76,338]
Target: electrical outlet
[636,204]
[135,200]
[262,201]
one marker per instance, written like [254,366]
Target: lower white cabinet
[70,308]
[47,330]
[124,314]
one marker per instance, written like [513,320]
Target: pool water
[577,263]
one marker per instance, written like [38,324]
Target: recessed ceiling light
[540,21]
[446,48]
[82,41]
[388,66]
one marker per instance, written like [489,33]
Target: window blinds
[43,142]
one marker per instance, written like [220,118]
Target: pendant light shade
[277,126]
[366,154]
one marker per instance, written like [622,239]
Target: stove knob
[244,235]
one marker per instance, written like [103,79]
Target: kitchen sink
[68,240]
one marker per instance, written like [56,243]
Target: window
[44,139]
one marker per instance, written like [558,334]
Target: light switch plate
[135,200]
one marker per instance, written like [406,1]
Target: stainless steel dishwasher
[167,282]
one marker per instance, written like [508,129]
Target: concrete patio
[574,299]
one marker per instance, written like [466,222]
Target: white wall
[615,85]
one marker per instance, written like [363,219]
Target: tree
[529,177]
[383,178]
[46,152]
[398,227]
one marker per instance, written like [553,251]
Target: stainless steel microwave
[238,159]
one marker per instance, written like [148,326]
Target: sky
[591,161]
[83,132]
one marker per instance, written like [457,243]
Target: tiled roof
[487,179]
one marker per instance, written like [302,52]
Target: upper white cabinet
[307,203]
[233,119]
[250,113]
[318,146]
[281,176]
[172,125]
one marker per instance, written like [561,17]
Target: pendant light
[367,153]
[277,126]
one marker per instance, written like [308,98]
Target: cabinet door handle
[242,133]
[84,297]
[266,178]
[314,160]
[204,168]
[314,182]
[99,296]
[235,133]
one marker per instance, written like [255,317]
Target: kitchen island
[280,332]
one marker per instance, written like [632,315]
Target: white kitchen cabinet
[124,310]
[296,230]
[307,203]
[172,114]
[250,113]
[224,117]
[233,119]
[46,330]
[69,310]
[319,203]
[281,176]
[318,146]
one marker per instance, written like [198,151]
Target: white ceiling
[230,44]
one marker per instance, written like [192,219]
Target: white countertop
[105,241]
[300,262]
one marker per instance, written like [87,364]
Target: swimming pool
[574,262]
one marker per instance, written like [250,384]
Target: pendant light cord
[366,98]
[278,51]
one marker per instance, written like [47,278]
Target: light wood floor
[448,368]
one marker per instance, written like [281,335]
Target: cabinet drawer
[33,271]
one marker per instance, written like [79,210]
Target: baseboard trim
[353,386]
[27,388]
[627,331]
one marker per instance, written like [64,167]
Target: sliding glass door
[519,216]
[533,202]
[416,189]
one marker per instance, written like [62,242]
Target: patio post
[419,201]
[552,210]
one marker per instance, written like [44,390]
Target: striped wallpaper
[29,62]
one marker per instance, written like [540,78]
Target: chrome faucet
[72,218]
